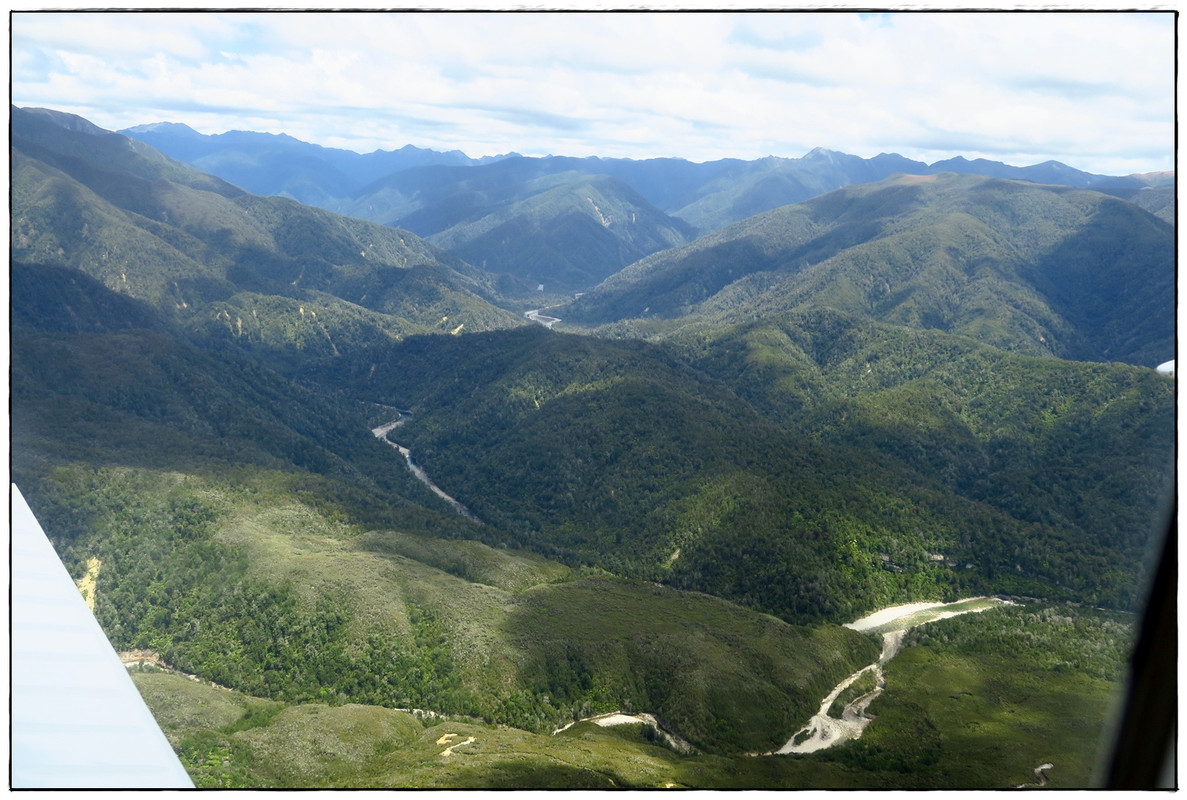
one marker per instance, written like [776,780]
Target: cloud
[1088,89]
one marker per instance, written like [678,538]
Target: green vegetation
[815,466]
[703,667]
[244,585]
[981,700]
[566,231]
[263,274]
[964,708]
[1027,268]
[854,413]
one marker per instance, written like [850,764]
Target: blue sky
[1094,90]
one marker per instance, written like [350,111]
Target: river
[535,316]
[824,730]
[381,434]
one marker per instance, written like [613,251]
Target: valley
[622,473]
[381,434]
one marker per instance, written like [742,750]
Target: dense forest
[895,392]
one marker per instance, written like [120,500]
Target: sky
[1093,90]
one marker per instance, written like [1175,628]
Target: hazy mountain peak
[163,127]
[821,154]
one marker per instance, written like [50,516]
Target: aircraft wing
[77,719]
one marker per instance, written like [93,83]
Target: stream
[823,730]
[381,434]
[535,316]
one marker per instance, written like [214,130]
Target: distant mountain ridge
[278,164]
[509,213]
[707,195]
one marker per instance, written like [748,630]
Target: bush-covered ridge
[1040,270]
[978,704]
[242,584]
[265,274]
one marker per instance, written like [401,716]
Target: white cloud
[1093,90]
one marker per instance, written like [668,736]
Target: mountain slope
[241,268]
[1043,270]
[568,236]
[672,527]
[770,475]
[537,220]
[254,532]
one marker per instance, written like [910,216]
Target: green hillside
[961,712]
[569,232]
[534,221]
[266,274]
[238,579]
[253,531]
[842,406]
[810,470]
[1035,269]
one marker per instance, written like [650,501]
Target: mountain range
[707,195]
[501,211]
[729,440]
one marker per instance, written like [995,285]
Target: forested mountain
[903,391]
[1153,191]
[568,233]
[566,229]
[777,464]
[261,272]
[1036,269]
[503,211]
[252,530]
[707,195]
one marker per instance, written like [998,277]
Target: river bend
[381,434]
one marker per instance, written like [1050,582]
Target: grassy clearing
[720,676]
[473,561]
[249,586]
[992,722]
[182,706]
[382,590]
[268,745]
